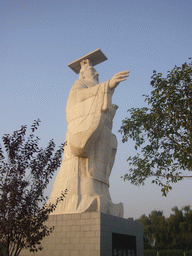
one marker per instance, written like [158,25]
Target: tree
[174,232]
[154,229]
[147,232]
[162,131]
[25,171]
[180,228]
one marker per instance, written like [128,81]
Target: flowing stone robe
[89,152]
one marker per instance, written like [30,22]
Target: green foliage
[25,171]
[154,229]
[162,131]
[176,252]
[174,232]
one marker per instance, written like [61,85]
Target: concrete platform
[91,234]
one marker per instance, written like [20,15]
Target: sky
[39,38]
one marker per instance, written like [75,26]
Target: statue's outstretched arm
[117,78]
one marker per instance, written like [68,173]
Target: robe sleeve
[86,113]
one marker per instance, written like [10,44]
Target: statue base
[92,233]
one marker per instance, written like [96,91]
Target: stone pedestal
[91,234]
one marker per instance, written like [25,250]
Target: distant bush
[153,252]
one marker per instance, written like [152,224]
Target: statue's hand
[117,78]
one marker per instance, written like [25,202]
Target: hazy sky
[39,38]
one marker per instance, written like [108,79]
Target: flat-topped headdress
[93,58]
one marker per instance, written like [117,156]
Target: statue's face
[91,74]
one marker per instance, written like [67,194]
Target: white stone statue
[90,148]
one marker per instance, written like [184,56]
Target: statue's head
[88,72]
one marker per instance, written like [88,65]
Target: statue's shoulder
[78,85]
[83,84]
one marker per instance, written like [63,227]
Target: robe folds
[89,151]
